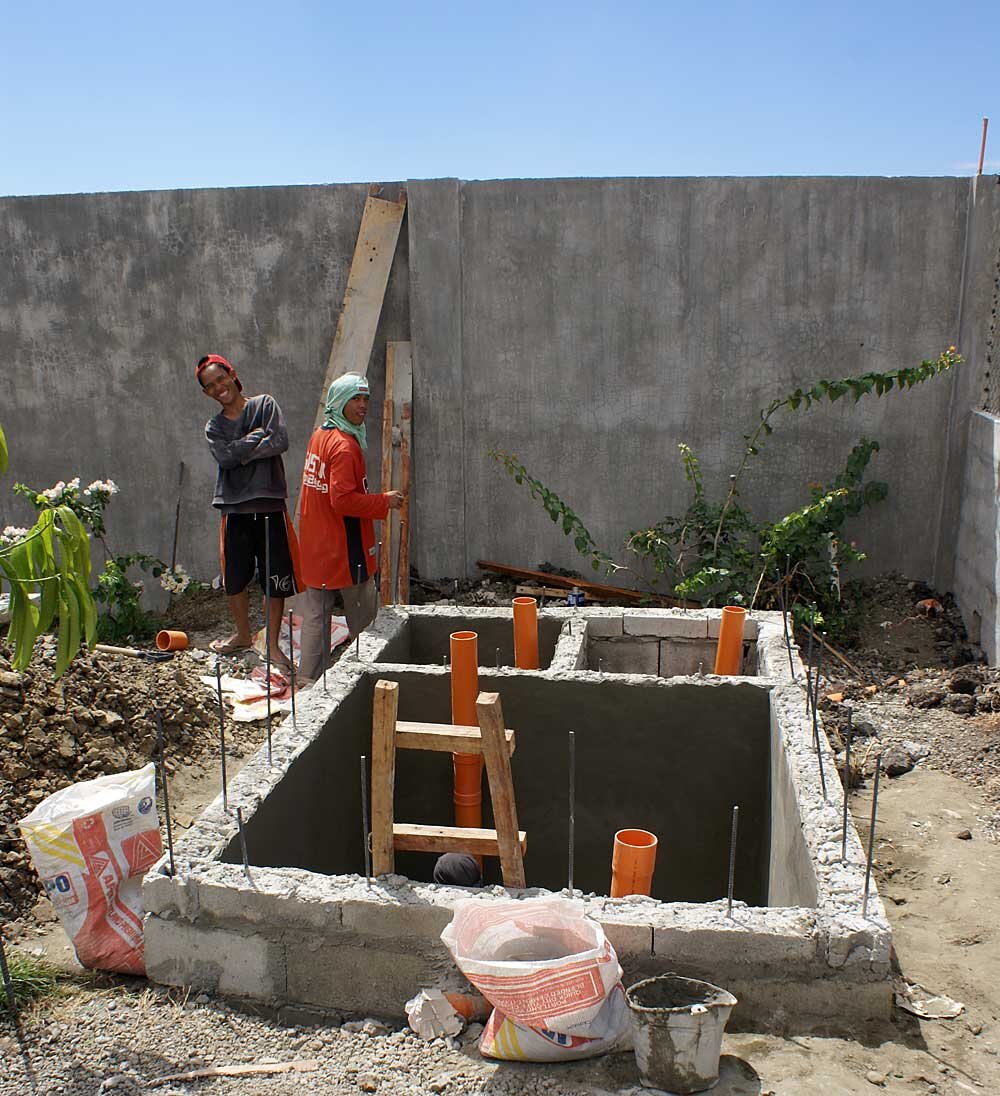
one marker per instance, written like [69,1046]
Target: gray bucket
[678,1025]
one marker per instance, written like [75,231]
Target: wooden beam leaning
[501,788]
[386,555]
[370,266]
[384,710]
[444,738]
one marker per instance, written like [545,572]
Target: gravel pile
[98,718]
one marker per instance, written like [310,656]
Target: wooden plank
[553,592]
[444,738]
[365,292]
[385,553]
[501,788]
[405,439]
[383,774]
[411,838]
[593,588]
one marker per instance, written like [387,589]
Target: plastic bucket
[633,860]
[171,641]
[678,1024]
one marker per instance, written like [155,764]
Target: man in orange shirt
[336,524]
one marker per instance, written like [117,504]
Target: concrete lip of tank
[307,929]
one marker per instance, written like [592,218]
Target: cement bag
[551,975]
[91,844]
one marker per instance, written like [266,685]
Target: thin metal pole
[498,658]
[847,782]
[819,669]
[267,626]
[243,842]
[166,796]
[784,618]
[325,641]
[291,659]
[572,805]
[222,734]
[364,818]
[8,982]
[357,638]
[732,860]
[871,835]
[982,146]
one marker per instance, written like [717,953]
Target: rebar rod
[871,835]
[166,797]
[357,638]
[8,982]
[222,734]
[809,655]
[291,659]
[243,842]
[572,806]
[267,627]
[819,668]
[784,618]
[498,658]
[325,641]
[847,783]
[732,861]
[364,819]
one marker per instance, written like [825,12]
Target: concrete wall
[588,325]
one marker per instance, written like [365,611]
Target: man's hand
[395,499]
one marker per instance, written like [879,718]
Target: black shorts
[242,552]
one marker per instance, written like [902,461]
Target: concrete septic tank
[423,639]
[670,754]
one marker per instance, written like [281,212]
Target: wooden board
[410,838]
[394,569]
[365,292]
[383,774]
[501,788]
[593,589]
[444,738]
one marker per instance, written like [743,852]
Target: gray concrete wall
[588,325]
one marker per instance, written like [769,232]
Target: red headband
[216,359]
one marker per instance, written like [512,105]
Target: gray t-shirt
[247,451]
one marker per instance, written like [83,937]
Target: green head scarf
[344,388]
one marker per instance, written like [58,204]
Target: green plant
[717,551]
[125,620]
[52,560]
[32,979]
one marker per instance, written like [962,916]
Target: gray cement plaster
[291,935]
[588,325]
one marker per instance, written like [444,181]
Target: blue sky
[114,96]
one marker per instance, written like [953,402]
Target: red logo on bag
[142,851]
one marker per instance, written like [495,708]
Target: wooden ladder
[490,739]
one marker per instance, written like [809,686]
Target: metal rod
[222,733]
[871,835]
[166,796]
[8,982]
[291,659]
[357,638]
[364,818]
[572,806]
[982,146]
[498,658]
[243,842]
[784,618]
[819,668]
[732,860]
[600,663]
[325,641]
[809,655]
[847,783]
[267,626]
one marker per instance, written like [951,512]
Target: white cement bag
[91,844]
[550,973]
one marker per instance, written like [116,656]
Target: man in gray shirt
[247,438]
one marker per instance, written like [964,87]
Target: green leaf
[3,453]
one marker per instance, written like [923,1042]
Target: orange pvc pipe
[468,768]
[526,633]
[172,641]
[632,862]
[729,652]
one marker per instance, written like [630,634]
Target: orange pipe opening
[172,641]
[526,633]
[632,862]
[468,768]
[729,652]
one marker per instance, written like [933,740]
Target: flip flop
[281,663]
[228,646]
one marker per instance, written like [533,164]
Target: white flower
[12,533]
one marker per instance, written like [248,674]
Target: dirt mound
[98,718]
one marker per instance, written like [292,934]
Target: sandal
[280,662]
[229,646]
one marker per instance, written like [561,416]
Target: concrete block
[356,978]
[749,627]
[400,920]
[163,894]
[680,657]
[724,948]
[213,960]
[658,622]
[600,626]
[631,655]
[629,939]
[270,906]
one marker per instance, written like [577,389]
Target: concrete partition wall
[588,325]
